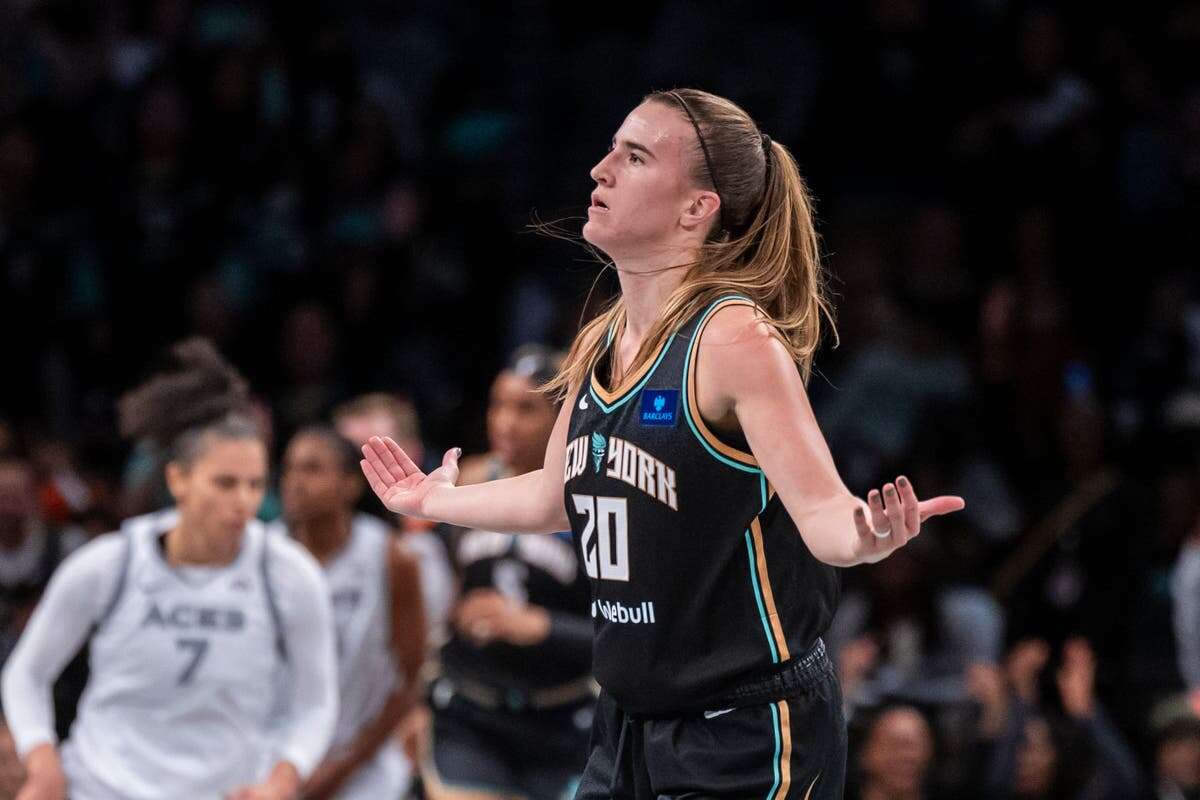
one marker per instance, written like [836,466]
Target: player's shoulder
[95,564]
[102,549]
[736,320]
[741,335]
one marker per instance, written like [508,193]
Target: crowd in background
[340,197]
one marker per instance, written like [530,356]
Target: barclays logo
[659,407]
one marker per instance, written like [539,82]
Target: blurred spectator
[30,551]
[1176,763]
[1186,594]
[1077,754]
[903,633]
[894,757]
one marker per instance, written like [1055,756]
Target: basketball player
[514,703]
[193,615]
[375,590]
[708,510]
[385,415]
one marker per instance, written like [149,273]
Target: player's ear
[178,480]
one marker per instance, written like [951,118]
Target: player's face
[313,482]
[222,489]
[360,428]
[643,186]
[519,421]
[898,751]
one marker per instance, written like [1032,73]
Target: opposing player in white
[193,616]
[377,613]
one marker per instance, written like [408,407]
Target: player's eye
[635,158]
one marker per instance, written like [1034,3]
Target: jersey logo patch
[583,403]
[660,407]
[599,445]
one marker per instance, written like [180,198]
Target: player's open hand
[896,516]
[398,482]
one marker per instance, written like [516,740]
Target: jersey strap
[272,603]
[721,451]
[122,579]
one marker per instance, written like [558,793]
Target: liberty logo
[599,445]
[659,407]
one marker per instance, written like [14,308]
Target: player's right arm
[529,503]
[74,600]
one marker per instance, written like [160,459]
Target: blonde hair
[764,246]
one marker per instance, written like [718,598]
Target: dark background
[340,195]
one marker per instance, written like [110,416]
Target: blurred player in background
[386,415]
[375,589]
[514,703]
[193,617]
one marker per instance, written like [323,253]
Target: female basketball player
[708,509]
[514,702]
[375,589]
[193,615]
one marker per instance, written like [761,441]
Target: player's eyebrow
[632,145]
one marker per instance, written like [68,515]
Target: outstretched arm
[529,503]
[746,371]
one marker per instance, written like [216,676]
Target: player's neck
[646,283]
[187,545]
[324,536]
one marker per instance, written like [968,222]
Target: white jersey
[360,594]
[186,665]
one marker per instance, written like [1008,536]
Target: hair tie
[766,143]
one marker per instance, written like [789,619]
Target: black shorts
[537,755]
[792,747]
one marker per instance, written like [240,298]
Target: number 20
[605,538]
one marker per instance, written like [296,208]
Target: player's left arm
[408,647]
[744,370]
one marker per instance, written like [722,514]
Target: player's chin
[594,231]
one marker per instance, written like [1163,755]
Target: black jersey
[540,570]
[700,579]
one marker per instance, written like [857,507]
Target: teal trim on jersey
[625,397]
[778,747]
[758,598]
[762,485]
[687,361]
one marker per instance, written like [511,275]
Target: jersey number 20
[605,536]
